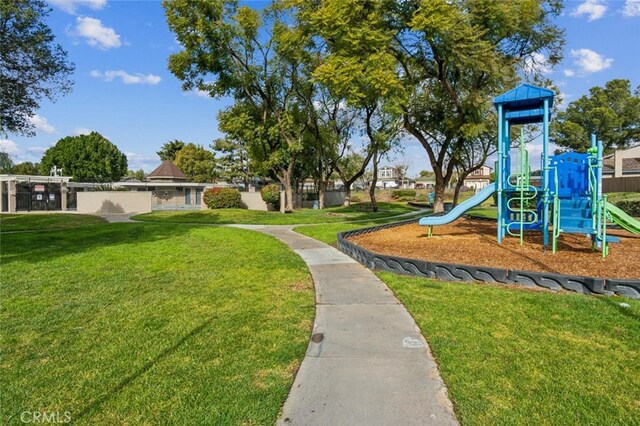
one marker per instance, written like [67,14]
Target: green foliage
[136,175]
[399,193]
[6,163]
[27,168]
[631,208]
[197,163]
[32,67]
[170,149]
[611,112]
[222,198]
[426,173]
[271,195]
[87,158]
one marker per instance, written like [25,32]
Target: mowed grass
[151,324]
[517,357]
[328,233]
[237,216]
[36,222]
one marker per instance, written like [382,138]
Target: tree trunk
[347,195]
[374,180]
[456,193]
[438,200]
[321,190]
[285,179]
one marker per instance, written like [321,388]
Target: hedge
[632,208]
[222,198]
[271,195]
[398,193]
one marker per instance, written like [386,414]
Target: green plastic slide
[623,219]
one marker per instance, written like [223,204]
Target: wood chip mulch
[473,242]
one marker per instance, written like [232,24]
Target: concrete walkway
[367,363]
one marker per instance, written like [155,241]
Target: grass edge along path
[514,356]
[146,323]
[255,217]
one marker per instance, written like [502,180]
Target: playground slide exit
[623,219]
[480,197]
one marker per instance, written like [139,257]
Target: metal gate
[38,196]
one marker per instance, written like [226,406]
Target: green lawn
[511,356]
[34,221]
[328,215]
[328,233]
[484,212]
[151,324]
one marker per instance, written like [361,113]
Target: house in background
[426,182]
[170,189]
[388,179]
[621,171]
[478,179]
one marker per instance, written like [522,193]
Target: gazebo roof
[167,170]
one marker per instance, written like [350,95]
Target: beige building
[622,163]
[170,189]
[478,179]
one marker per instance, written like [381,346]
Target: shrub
[355,199]
[222,198]
[400,193]
[271,195]
[632,208]
[404,198]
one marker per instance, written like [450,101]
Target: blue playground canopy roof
[525,103]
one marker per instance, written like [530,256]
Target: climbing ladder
[520,216]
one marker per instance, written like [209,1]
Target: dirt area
[473,242]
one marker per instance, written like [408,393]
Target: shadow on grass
[94,405]
[41,247]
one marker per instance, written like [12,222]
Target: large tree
[32,65]
[26,168]
[170,149]
[452,57]
[230,50]
[611,112]
[6,162]
[87,158]
[197,163]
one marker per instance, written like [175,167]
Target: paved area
[117,217]
[367,363]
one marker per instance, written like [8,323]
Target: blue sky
[124,91]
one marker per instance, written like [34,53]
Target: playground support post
[545,175]
[500,171]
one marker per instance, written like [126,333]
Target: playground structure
[567,197]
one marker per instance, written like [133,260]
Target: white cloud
[139,161]
[37,149]
[126,78]
[568,72]
[71,6]
[594,8]
[9,147]
[41,123]
[96,34]
[537,63]
[81,131]
[590,61]
[198,93]
[631,8]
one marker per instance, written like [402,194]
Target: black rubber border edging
[454,272]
